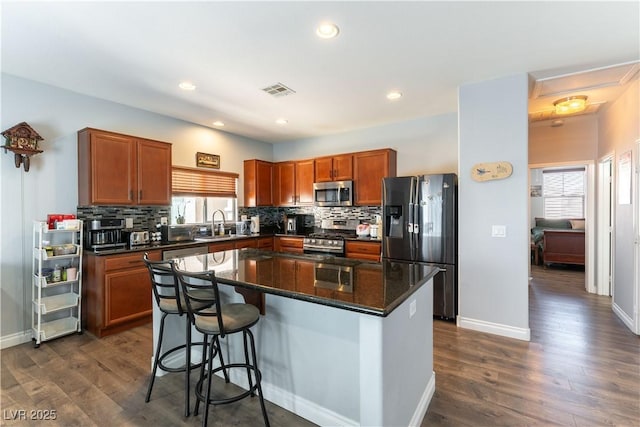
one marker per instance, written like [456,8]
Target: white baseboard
[523,334]
[425,400]
[15,339]
[628,321]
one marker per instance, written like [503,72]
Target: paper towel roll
[255,225]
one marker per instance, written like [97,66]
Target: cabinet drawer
[118,262]
[363,250]
[265,243]
[289,244]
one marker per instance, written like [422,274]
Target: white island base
[338,367]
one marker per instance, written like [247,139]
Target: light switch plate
[498,231]
[163,220]
[128,222]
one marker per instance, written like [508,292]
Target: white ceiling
[137,53]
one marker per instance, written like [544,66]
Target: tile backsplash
[270,216]
[146,217]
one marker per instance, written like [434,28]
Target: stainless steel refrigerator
[420,224]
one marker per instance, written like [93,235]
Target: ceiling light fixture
[282,121]
[571,104]
[394,95]
[187,86]
[327,30]
[218,123]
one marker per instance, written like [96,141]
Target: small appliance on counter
[137,238]
[178,233]
[243,228]
[294,224]
[105,234]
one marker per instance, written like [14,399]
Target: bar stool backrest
[201,295]
[164,284]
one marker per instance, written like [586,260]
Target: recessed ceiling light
[218,123]
[282,121]
[187,86]
[327,30]
[394,95]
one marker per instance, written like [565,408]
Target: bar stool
[217,321]
[170,302]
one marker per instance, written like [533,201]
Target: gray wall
[51,184]
[494,271]
[619,132]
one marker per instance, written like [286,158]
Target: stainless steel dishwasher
[183,252]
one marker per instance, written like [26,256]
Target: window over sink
[197,194]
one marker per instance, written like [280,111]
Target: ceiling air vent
[279,89]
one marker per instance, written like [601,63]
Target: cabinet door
[127,295]
[343,167]
[154,173]
[369,167]
[110,172]
[286,189]
[324,169]
[258,179]
[304,182]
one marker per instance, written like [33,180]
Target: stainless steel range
[331,239]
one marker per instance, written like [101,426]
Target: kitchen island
[341,341]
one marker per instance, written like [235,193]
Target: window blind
[196,182]
[563,192]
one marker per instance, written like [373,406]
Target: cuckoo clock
[22,140]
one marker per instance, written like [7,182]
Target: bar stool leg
[205,339]
[258,377]
[205,416]
[219,352]
[156,358]
[187,367]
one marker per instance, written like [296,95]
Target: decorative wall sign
[490,171]
[204,160]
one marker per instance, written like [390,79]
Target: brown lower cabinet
[117,292]
[288,244]
[363,250]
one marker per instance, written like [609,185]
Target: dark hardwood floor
[581,368]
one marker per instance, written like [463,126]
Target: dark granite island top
[361,286]
[353,352]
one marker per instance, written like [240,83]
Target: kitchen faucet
[213,222]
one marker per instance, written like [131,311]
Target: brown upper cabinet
[116,169]
[258,180]
[334,168]
[369,167]
[294,182]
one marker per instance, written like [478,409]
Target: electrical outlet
[412,309]
[128,222]
[163,220]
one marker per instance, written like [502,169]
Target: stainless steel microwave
[334,193]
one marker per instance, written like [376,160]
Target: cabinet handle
[335,173]
[140,195]
[130,194]
[331,174]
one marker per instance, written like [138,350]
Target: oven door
[338,193]
[335,277]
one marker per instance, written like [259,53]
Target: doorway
[604,260]
[536,209]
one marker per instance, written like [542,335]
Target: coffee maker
[105,234]
[294,224]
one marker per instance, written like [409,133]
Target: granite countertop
[201,241]
[374,288]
